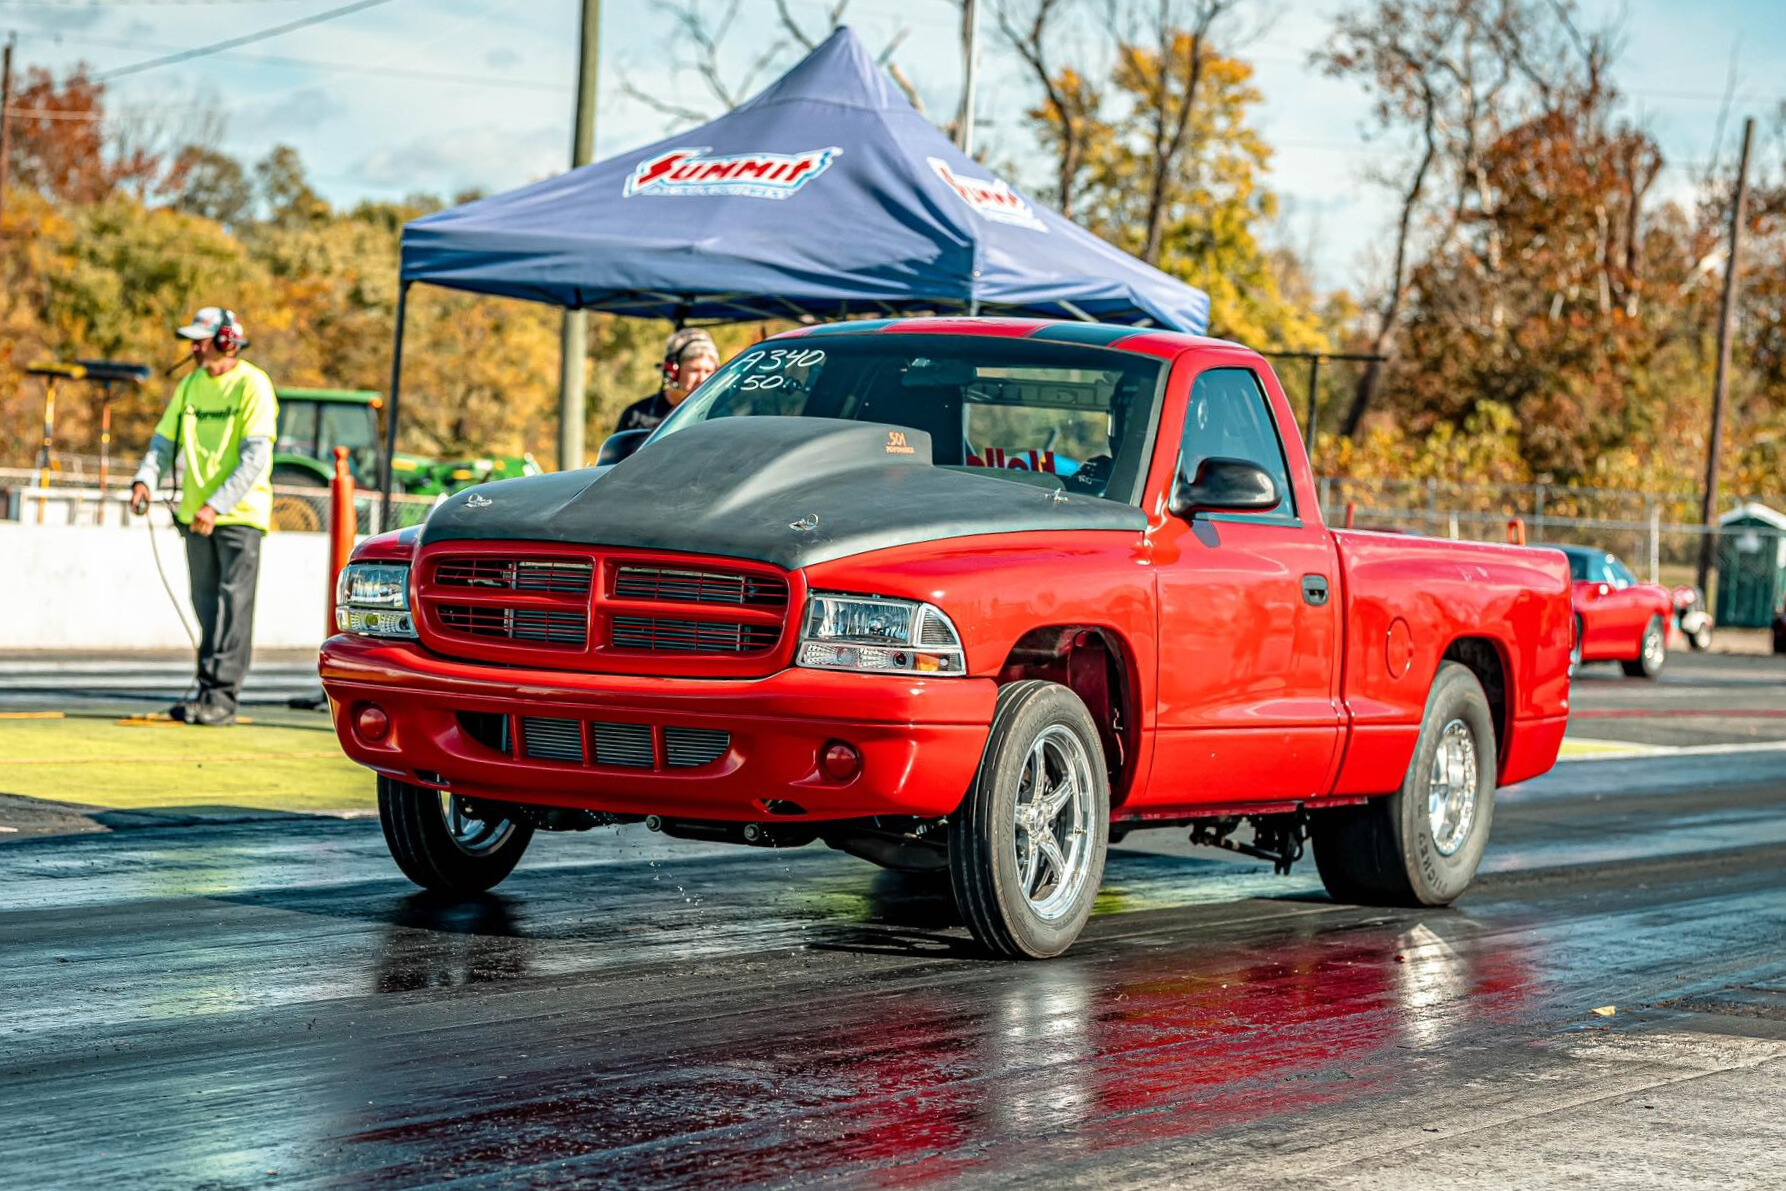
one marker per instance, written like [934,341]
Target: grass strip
[106,763]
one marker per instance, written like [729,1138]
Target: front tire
[1652,652]
[1026,847]
[1421,845]
[443,842]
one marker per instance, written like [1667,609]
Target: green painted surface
[135,765]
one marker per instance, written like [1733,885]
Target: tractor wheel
[295,508]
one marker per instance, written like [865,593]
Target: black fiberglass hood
[787,491]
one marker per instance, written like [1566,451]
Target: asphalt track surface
[269,1004]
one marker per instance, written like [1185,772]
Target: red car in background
[1617,618]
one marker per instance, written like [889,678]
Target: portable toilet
[1751,566]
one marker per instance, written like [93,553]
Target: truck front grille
[584,608]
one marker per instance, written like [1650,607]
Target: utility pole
[970,53]
[5,122]
[574,344]
[1708,511]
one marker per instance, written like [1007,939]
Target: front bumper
[920,738]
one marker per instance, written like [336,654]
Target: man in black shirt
[690,357]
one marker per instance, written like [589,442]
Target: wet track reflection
[202,1007]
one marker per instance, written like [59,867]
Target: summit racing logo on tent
[991,197]
[748,175]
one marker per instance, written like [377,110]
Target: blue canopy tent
[825,196]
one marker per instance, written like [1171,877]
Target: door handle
[1314,590]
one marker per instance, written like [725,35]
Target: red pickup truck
[967,594]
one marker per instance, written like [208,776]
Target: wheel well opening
[1094,663]
[1483,658]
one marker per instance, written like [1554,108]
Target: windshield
[1049,414]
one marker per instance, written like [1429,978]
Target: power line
[217,47]
[360,68]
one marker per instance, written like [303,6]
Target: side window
[1228,418]
[345,424]
[297,429]
[1619,575]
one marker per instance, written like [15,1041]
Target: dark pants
[224,568]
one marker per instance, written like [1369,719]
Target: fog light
[372,723]
[840,761]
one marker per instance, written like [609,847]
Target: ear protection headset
[678,346]
[229,334]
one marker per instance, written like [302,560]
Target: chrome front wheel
[469,829]
[1052,840]
[442,841]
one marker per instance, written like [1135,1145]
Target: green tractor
[313,422]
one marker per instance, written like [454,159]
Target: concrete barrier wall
[87,587]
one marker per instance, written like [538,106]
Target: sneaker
[182,711]
[211,715]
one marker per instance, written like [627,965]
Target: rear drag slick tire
[441,843]
[1420,846]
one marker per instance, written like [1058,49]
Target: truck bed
[1403,598]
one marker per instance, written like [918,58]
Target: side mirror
[619,445]
[1225,486]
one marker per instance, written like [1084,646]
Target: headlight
[372,599]
[845,632]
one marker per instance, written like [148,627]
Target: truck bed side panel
[1407,601]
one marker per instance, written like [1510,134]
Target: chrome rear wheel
[1451,788]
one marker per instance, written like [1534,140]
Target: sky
[448,95]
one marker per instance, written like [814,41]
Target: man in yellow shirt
[217,432]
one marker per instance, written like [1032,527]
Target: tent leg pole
[385,474]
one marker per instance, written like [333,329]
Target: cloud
[303,110]
[502,59]
[491,158]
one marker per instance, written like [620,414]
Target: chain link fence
[1656,534]
[73,495]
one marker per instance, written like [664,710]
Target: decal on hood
[990,197]
[689,171]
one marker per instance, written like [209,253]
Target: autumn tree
[58,137]
[1068,117]
[212,185]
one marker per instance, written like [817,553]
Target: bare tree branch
[1029,35]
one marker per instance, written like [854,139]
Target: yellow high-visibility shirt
[207,419]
